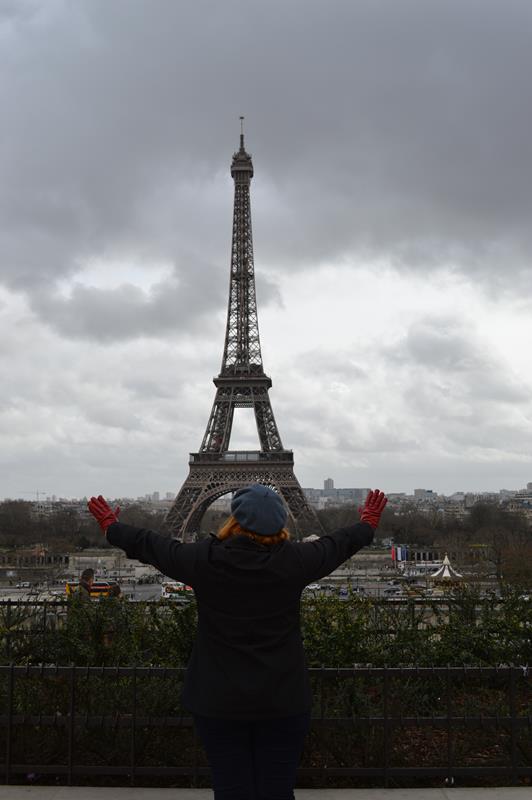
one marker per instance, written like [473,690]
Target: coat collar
[241,543]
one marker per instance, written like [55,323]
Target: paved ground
[91,793]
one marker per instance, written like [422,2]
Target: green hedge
[466,629]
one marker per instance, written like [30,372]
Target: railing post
[44,646]
[71,723]
[9,726]
[449,730]
[322,714]
[195,739]
[385,708]
[322,699]
[8,630]
[133,728]
[512,703]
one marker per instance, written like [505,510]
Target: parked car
[177,591]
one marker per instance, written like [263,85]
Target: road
[152,591]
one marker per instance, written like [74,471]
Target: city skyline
[391,206]
[167,496]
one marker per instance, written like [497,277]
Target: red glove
[103,513]
[373,507]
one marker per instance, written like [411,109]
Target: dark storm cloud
[396,130]
[191,301]
[125,312]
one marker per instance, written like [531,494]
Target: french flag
[401,553]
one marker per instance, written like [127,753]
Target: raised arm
[168,555]
[324,555]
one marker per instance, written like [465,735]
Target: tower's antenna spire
[241,133]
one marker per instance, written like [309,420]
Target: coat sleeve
[324,555]
[168,555]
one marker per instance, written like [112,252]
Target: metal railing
[26,623]
[388,725]
[240,456]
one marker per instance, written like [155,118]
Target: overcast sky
[392,207]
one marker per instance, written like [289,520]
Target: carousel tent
[446,572]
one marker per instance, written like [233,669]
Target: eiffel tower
[242,383]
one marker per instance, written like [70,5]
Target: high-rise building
[328,485]
[424,494]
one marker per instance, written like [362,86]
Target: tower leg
[207,482]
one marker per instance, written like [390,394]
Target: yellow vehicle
[98,589]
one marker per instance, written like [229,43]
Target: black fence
[23,622]
[426,633]
[384,726]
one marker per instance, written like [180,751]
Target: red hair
[233,528]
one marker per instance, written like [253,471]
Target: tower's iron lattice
[215,470]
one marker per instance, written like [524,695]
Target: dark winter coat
[248,660]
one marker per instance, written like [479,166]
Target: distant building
[424,494]
[222,504]
[398,500]
[37,555]
[521,503]
[455,511]
[328,485]
[324,498]
[108,564]
[457,497]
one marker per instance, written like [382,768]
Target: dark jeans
[253,760]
